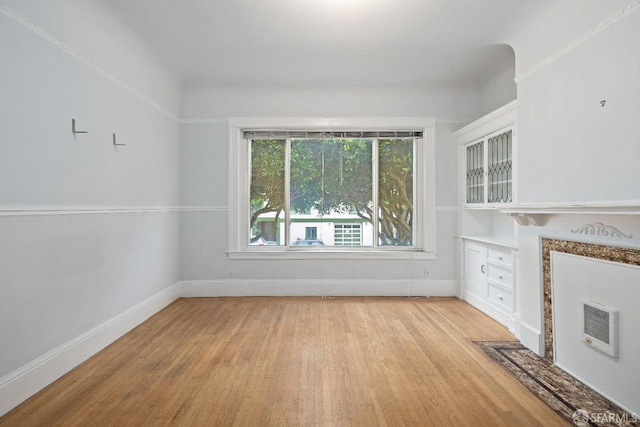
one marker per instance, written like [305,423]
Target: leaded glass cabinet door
[475,173]
[499,168]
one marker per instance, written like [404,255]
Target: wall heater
[600,327]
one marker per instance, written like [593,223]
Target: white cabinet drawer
[488,278]
[500,275]
[501,297]
[500,257]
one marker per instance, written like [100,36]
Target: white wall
[88,231]
[570,148]
[204,178]
[608,283]
[498,87]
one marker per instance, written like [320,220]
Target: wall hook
[114,141]
[73,127]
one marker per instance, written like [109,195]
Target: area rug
[567,396]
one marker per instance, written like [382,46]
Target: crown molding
[9,13]
[212,120]
[578,41]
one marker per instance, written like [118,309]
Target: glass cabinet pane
[475,173]
[499,168]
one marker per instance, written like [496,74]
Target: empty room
[319,212]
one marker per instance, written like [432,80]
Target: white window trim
[240,180]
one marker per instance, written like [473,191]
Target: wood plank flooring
[294,362]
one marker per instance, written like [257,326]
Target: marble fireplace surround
[591,250]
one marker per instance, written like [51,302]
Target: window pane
[499,169]
[267,191]
[330,182]
[395,192]
[475,173]
[311,233]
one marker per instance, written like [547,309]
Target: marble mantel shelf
[535,214]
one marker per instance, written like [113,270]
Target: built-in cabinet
[488,279]
[487,183]
[489,169]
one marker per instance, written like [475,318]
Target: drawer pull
[500,276]
[500,297]
[500,257]
[482,269]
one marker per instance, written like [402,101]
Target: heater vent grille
[600,327]
[596,323]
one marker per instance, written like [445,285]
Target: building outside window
[347,234]
[365,189]
[311,233]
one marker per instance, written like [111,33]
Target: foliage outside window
[301,194]
[332,180]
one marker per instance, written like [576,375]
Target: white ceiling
[326,42]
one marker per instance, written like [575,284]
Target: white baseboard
[488,309]
[531,338]
[314,287]
[27,380]
[517,325]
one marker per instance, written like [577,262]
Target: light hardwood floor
[294,362]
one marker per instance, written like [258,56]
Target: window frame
[239,175]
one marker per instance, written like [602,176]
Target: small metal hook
[114,141]
[73,127]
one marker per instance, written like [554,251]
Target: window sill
[332,254]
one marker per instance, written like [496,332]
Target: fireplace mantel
[536,214]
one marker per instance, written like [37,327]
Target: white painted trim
[317,287]
[9,13]
[489,309]
[100,210]
[492,240]
[27,380]
[204,208]
[517,325]
[216,120]
[451,120]
[212,120]
[239,177]
[578,41]
[531,338]
[332,123]
[613,207]
[70,210]
[493,122]
[327,253]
